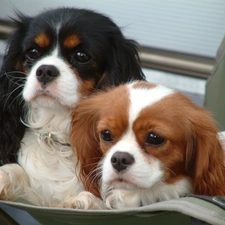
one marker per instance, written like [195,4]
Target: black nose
[46,73]
[121,160]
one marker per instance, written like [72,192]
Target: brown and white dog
[141,143]
[53,60]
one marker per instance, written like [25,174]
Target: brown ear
[205,156]
[85,141]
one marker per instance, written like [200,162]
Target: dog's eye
[81,57]
[106,135]
[154,140]
[32,54]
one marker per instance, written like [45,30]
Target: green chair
[215,89]
[186,211]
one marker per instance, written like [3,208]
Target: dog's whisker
[97,175]
[14,72]
[167,168]
[96,172]
[18,96]
[11,77]
[91,164]
[9,95]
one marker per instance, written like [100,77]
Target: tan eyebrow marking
[71,41]
[42,40]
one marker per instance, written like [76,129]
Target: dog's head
[138,135]
[56,58]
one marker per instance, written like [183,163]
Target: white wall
[190,26]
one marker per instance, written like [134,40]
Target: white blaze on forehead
[51,59]
[142,97]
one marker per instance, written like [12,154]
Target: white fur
[142,182]
[47,174]
[139,99]
[121,199]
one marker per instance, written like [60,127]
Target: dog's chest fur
[47,157]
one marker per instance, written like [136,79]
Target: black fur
[114,60]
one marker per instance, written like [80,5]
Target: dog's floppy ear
[85,141]
[11,104]
[123,63]
[12,58]
[205,155]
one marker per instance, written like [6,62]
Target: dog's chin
[124,184]
[46,100]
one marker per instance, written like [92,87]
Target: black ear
[12,79]
[123,63]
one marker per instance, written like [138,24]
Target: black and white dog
[53,60]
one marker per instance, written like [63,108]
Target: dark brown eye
[32,54]
[81,57]
[106,136]
[154,140]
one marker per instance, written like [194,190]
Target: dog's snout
[121,160]
[46,73]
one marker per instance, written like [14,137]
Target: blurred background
[178,38]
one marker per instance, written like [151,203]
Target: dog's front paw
[12,182]
[121,199]
[84,200]
[6,192]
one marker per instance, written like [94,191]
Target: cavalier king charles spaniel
[53,60]
[142,143]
